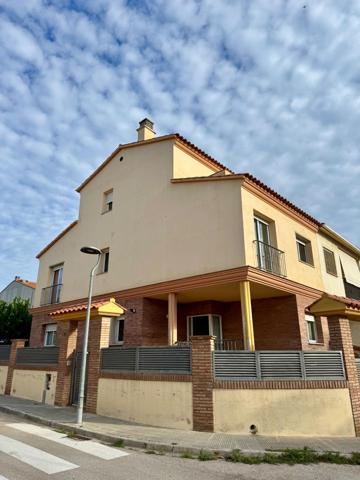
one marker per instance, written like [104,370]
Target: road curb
[128,442]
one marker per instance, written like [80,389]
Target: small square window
[108,201]
[50,335]
[311,328]
[104,260]
[304,250]
[330,263]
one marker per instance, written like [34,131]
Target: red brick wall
[341,339]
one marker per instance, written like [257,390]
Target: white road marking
[86,446]
[3,478]
[34,457]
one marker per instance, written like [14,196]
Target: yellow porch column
[247,319]
[172,318]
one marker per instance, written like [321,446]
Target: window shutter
[330,261]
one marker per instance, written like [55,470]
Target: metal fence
[37,356]
[4,353]
[51,295]
[147,359]
[278,365]
[269,258]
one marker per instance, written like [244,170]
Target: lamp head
[90,250]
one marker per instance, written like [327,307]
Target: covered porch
[242,315]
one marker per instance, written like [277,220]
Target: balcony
[50,295]
[269,258]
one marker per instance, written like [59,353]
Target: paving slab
[144,436]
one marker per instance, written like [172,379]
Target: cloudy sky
[269,87]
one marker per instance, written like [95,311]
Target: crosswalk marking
[3,478]
[34,457]
[86,446]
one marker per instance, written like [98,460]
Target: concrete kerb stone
[128,442]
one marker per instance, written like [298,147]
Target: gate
[75,379]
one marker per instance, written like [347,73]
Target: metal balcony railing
[269,258]
[50,295]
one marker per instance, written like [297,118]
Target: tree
[15,320]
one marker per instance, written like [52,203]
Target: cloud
[266,87]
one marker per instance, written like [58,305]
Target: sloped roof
[109,307]
[330,305]
[27,283]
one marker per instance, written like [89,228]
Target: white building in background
[18,288]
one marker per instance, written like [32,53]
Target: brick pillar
[66,340]
[202,383]
[341,339]
[99,336]
[15,344]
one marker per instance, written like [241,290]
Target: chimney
[17,278]
[145,130]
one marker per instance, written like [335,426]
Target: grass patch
[205,456]
[187,454]
[292,456]
[119,443]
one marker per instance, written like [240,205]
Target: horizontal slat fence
[4,353]
[147,359]
[37,356]
[278,365]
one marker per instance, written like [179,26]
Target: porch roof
[107,308]
[335,305]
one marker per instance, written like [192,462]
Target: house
[18,288]
[192,250]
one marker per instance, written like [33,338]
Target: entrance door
[75,379]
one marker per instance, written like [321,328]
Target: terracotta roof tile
[349,302]
[28,283]
[77,308]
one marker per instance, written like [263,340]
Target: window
[117,336]
[311,327]
[50,335]
[108,201]
[205,325]
[304,250]
[56,283]
[104,260]
[330,263]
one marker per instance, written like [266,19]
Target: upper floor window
[104,260]
[57,274]
[304,250]
[108,201]
[50,335]
[330,263]
[311,328]
[262,231]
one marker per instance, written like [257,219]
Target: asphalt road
[32,452]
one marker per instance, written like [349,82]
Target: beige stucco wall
[325,412]
[185,165]
[3,376]
[30,384]
[286,228]
[163,404]
[157,230]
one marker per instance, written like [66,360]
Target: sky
[267,87]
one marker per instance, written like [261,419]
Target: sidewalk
[141,436]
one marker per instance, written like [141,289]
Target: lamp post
[80,409]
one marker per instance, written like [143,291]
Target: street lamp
[80,409]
